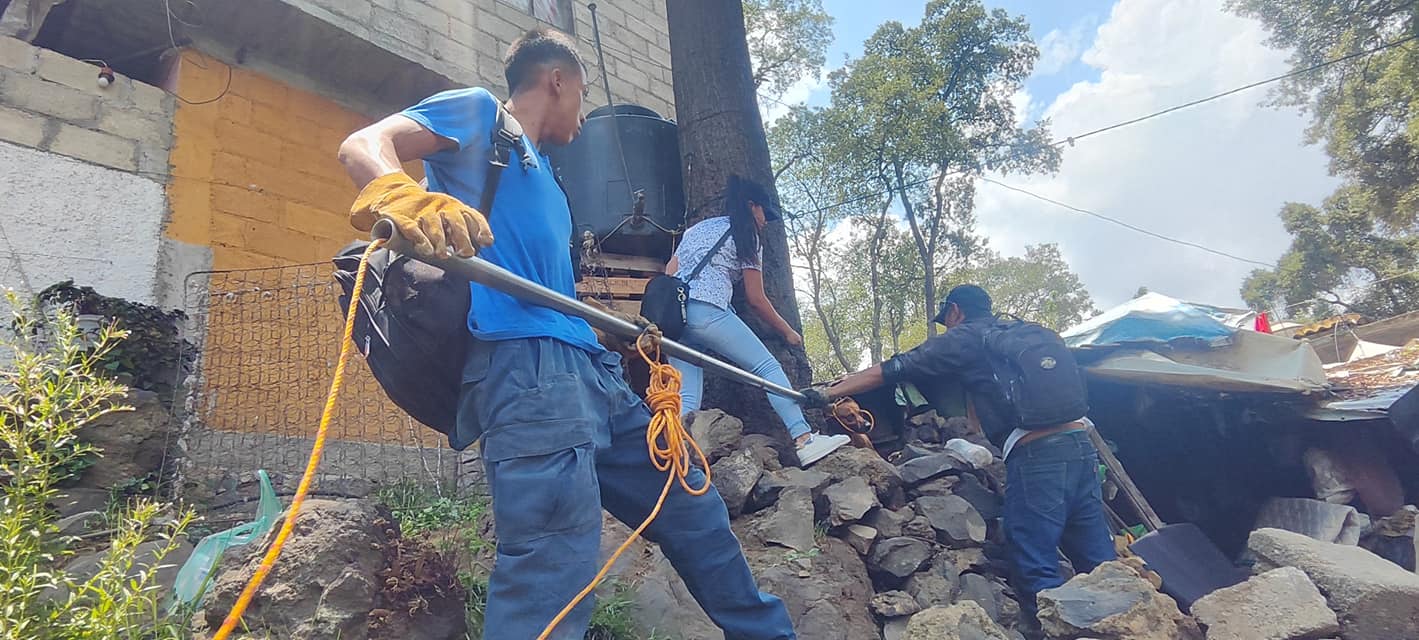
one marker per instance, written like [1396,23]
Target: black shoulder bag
[666,296]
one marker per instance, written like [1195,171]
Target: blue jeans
[710,328]
[1053,501]
[563,437]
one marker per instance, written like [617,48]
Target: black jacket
[957,355]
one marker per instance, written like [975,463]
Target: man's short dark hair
[972,300]
[536,48]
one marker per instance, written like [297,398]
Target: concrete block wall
[84,169]
[465,40]
[53,102]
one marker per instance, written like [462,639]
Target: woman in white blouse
[711,323]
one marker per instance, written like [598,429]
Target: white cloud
[1060,47]
[1214,174]
[797,93]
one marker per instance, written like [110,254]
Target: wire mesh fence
[267,342]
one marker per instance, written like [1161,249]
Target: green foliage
[50,392]
[1340,259]
[421,507]
[1366,110]
[149,355]
[788,41]
[924,111]
[1038,287]
[426,508]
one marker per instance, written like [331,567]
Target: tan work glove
[649,340]
[433,222]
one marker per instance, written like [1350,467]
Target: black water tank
[598,188]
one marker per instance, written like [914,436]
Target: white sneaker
[818,446]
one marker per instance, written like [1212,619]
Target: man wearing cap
[1052,495]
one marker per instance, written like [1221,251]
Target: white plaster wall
[63,219]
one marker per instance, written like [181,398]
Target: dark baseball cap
[972,300]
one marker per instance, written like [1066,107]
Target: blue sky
[1061,28]
[1216,174]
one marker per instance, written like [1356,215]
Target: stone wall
[84,168]
[464,40]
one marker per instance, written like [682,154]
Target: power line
[1217,96]
[1128,226]
[1072,139]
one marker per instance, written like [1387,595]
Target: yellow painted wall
[254,173]
[256,180]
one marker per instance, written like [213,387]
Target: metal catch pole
[491,275]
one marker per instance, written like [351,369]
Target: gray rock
[717,432]
[345,573]
[919,528]
[734,476]
[790,524]
[80,500]
[763,448]
[933,588]
[961,621]
[146,556]
[1113,603]
[774,482]
[1281,604]
[852,462]
[986,503]
[1374,598]
[937,486]
[919,470]
[894,629]
[894,604]
[896,559]
[955,519]
[889,522]
[831,602]
[860,537]
[980,590]
[78,523]
[132,443]
[848,501]
[962,560]
[914,450]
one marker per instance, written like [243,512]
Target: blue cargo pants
[1053,501]
[563,437]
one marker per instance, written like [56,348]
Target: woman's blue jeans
[710,328]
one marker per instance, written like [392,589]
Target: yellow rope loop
[337,382]
[669,445]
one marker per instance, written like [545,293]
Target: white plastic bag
[973,454]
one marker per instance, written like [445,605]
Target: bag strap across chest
[704,262]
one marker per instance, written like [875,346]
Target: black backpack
[412,320]
[1041,383]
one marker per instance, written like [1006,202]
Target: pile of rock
[858,547]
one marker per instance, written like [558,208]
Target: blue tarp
[1151,318]
[1155,339]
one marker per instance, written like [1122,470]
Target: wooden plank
[631,263]
[617,286]
[1130,491]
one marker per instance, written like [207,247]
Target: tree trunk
[721,133]
[874,265]
[924,252]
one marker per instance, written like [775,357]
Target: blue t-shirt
[531,222]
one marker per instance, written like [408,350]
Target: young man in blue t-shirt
[562,434]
